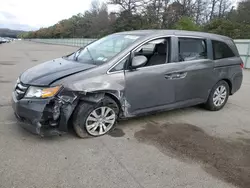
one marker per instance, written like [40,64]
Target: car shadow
[158,115]
[119,130]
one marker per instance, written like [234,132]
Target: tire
[84,114]
[212,104]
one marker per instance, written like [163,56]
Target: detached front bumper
[36,115]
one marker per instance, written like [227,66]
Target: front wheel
[95,120]
[218,96]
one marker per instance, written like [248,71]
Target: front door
[148,87]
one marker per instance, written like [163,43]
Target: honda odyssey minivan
[125,75]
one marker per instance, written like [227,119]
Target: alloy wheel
[220,96]
[100,121]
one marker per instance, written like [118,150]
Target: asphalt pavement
[191,147]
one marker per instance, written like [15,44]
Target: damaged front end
[50,116]
[45,117]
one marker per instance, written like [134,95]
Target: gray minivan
[125,75]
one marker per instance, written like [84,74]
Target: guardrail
[242,45]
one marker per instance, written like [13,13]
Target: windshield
[104,49]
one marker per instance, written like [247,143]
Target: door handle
[176,75]
[168,76]
[180,75]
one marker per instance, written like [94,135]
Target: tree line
[215,16]
[9,33]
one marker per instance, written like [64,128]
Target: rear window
[192,49]
[222,50]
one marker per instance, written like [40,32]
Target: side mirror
[139,61]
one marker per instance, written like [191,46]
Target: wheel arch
[115,98]
[229,82]
[96,97]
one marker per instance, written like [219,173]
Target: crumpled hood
[46,73]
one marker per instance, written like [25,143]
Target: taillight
[242,65]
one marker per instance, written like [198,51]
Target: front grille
[20,90]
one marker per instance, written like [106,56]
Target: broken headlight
[41,92]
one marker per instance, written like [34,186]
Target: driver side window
[156,51]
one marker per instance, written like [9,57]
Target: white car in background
[3,40]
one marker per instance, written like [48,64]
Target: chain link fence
[79,42]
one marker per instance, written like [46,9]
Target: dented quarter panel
[229,69]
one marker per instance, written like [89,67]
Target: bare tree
[224,6]
[130,6]
[95,6]
[154,12]
[187,7]
[200,11]
[213,6]
[159,6]
[172,14]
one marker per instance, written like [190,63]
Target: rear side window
[192,49]
[221,50]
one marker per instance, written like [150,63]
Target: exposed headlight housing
[41,92]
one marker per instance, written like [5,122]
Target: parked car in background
[5,40]
[2,40]
[8,39]
[125,75]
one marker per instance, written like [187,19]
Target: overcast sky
[26,14]
[39,13]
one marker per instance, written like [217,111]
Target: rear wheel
[218,96]
[95,119]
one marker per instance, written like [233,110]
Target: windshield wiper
[77,52]
[76,55]
[90,54]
